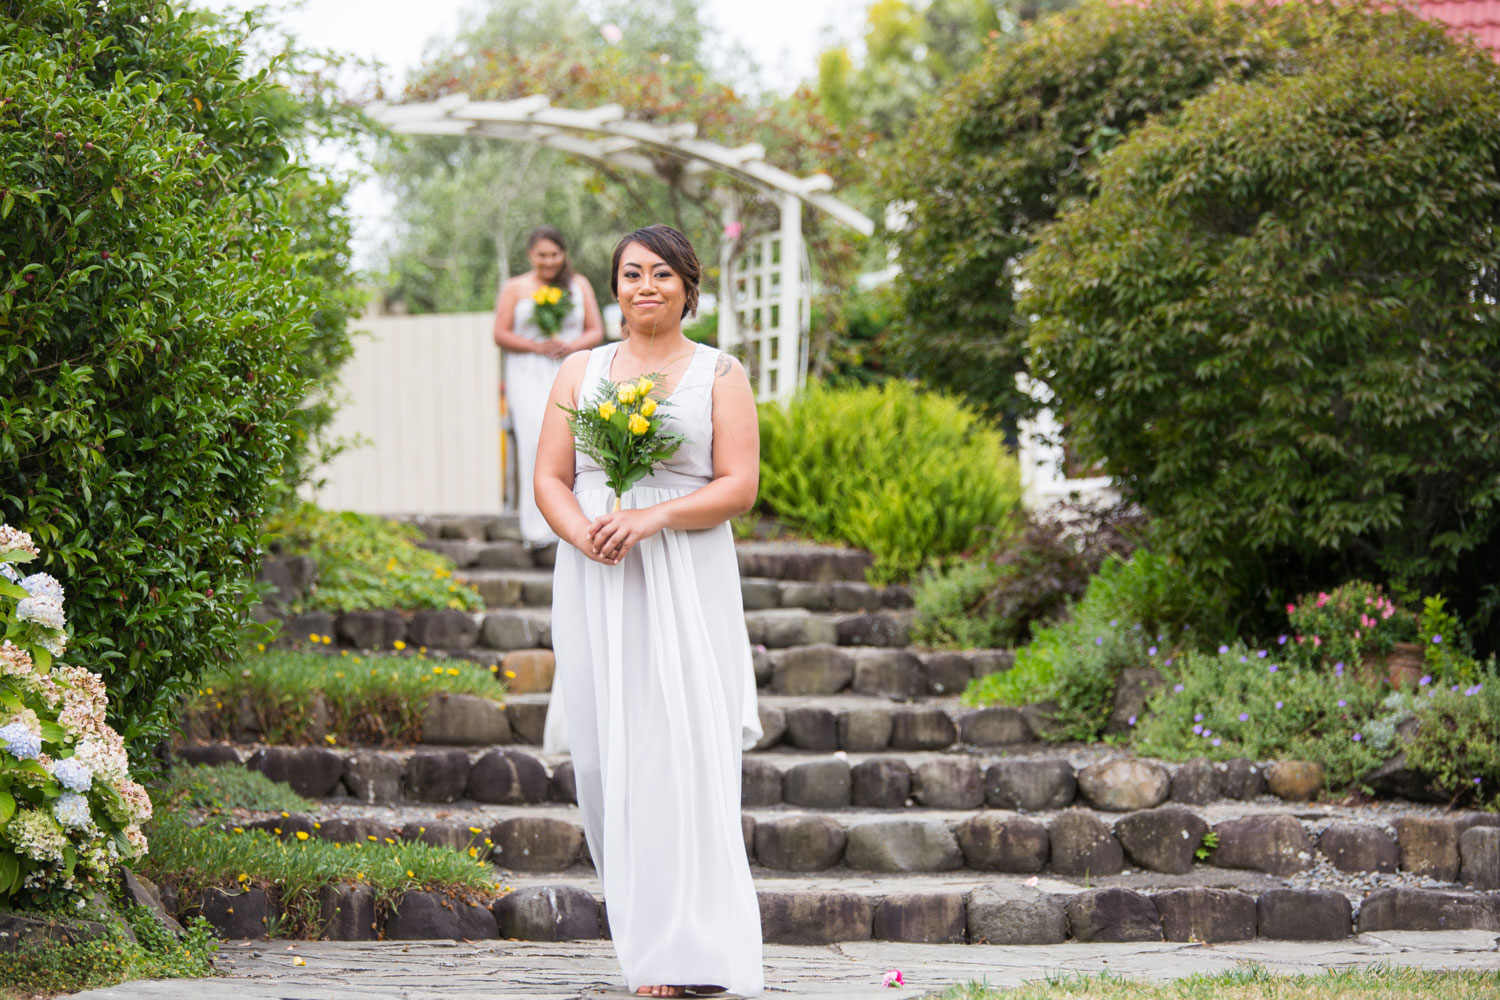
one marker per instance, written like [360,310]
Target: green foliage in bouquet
[174,294]
[367,563]
[621,430]
[911,476]
[68,808]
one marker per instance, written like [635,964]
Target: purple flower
[1169,661]
[1437,639]
[1476,781]
[1260,654]
[1099,642]
[1198,717]
[1244,716]
[1198,729]
[1151,651]
[1223,650]
[1177,688]
[1356,737]
[1244,659]
[1342,703]
[1208,732]
[1338,670]
[1281,640]
[1113,622]
[1271,669]
[1130,721]
[1426,680]
[1278,704]
[1216,741]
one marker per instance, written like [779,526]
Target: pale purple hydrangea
[72,811]
[43,585]
[44,611]
[19,741]
[73,774]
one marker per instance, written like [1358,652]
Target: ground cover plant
[215,790]
[1143,612]
[174,290]
[907,474]
[1277,333]
[192,858]
[300,697]
[366,563]
[1254,982]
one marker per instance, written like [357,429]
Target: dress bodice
[524,321]
[688,411]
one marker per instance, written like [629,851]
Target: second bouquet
[621,428]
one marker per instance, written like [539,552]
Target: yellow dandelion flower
[510,675]
[437,670]
[398,645]
[639,424]
[277,830]
[410,873]
[343,652]
[242,878]
[317,826]
[473,852]
[422,650]
[299,961]
[370,837]
[475,829]
[330,739]
[239,829]
[453,671]
[301,834]
[327,639]
[285,814]
[260,647]
[314,637]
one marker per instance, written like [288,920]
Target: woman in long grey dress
[653,659]
[533,359]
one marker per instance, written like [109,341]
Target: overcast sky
[784,38]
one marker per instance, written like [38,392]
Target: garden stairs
[876,806]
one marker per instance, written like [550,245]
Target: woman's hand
[555,349]
[616,533]
[583,540]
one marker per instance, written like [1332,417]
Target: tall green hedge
[164,313]
[1278,325]
[1022,136]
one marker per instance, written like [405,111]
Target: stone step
[926,909]
[506,629]
[1258,843]
[477,543]
[517,588]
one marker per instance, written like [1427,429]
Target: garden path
[417,970]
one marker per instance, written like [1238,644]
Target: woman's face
[547,258]
[651,293]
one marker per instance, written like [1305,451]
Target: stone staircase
[876,805]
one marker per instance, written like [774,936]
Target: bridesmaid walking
[648,627]
[533,358]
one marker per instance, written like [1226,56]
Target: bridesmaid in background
[532,359]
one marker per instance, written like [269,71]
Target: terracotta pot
[1402,667]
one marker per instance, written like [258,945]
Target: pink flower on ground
[893,979]
[1031,882]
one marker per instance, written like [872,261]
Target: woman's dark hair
[672,247]
[564,277]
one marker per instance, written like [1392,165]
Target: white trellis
[764,295]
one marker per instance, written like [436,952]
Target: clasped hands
[554,348]
[609,537]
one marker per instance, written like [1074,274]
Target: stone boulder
[810,727]
[902,845]
[811,670]
[888,673]
[429,916]
[312,772]
[814,917]
[464,720]
[1358,847]
[1240,779]
[799,843]
[1165,839]
[1013,914]
[1275,844]
[760,782]
[1304,915]
[865,730]
[447,629]
[1295,780]
[372,777]
[948,783]
[1196,783]
[548,913]
[1124,784]
[922,729]
[1132,691]
[536,843]
[508,777]
[920,918]
[1428,845]
[996,726]
[1082,844]
[881,783]
[347,913]
[997,842]
[1205,915]
[817,784]
[1479,857]
[1113,915]
[1408,909]
[437,777]
[1030,785]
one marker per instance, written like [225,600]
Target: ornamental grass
[300,698]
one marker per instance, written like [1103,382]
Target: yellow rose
[606,409]
[644,386]
[648,407]
[627,394]
[554,296]
[639,424]
[539,296]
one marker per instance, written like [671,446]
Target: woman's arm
[593,322]
[505,317]
[730,493]
[552,480]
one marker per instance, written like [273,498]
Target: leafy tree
[1277,322]
[171,289]
[1021,136]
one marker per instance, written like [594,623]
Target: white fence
[422,393]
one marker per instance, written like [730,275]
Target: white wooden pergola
[765,295]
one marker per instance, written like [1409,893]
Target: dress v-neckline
[609,364]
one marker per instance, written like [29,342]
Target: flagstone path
[457,970]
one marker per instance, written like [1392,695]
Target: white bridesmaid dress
[528,383]
[654,669]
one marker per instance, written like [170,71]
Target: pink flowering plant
[1341,627]
[69,811]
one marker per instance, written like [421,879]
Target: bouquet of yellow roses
[552,307]
[621,429]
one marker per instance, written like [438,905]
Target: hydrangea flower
[20,741]
[7,571]
[73,774]
[15,540]
[36,835]
[72,811]
[44,611]
[14,661]
[43,585]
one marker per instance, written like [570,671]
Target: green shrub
[945,603]
[1457,742]
[909,475]
[367,563]
[164,319]
[300,698]
[1138,613]
[217,789]
[1023,135]
[52,968]
[1278,334]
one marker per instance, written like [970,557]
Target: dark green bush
[909,475]
[163,317]
[1277,326]
[1021,137]
[367,563]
